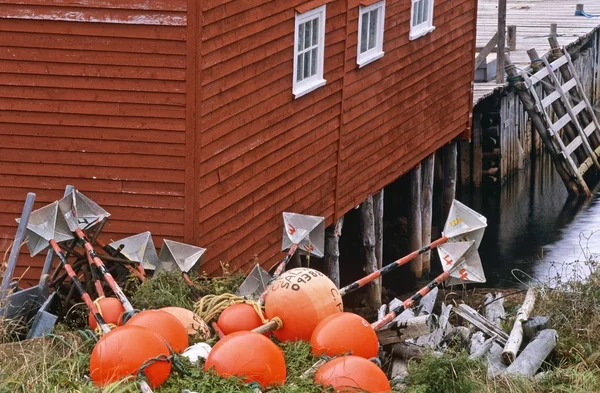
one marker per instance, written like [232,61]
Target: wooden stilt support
[368,240]
[477,149]
[449,189]
[332,251]
[464,148]
[557,105]
[415,233]
[427,207]
[539,124]
[378,215]
[501,41]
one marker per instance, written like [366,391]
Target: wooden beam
[415,233]
[553,29]
[332,251]
[449,189]
[368,240]
[464,148]
[487,49]
[511,32]
[501,41]
[477,149]
[427,208]
[378,213]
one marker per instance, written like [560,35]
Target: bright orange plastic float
[121,352]
[352,374]
[345,333]
[110,308]
[250,356]
[165,325]
[302,298]
[238,317]
[191,322]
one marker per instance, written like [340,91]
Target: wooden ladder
[584,131]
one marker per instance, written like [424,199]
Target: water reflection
[533,226]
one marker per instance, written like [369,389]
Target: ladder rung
[587,164]
[589,129]
[579,107]
[541,74]
[571,147]
[556,95]
[561,123]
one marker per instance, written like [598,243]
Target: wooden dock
[533,19]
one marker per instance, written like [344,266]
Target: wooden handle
[267,327]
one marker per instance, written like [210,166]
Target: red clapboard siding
[178,116]
[94,95]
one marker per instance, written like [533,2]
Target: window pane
[307,35]
[425,10]
[313,58]
[307,65]
[315,31]
[301,37]
[416,8]
[372,29]
[299,67]
[364,32]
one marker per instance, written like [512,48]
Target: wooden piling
[538,123]
[449,185]
[415,233]
[501,41]
[427,209]
[477,149]
[557,105]
[511,33]
[464,154]
[553,29]
[332,251]
[378,215]
[368,240]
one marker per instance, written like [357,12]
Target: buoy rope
[98,329]
[210,306]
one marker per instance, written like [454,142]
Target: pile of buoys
[250,356]
[345,333]
[238,317]
[301,298]
[352,374]
[165,325]
[190,321]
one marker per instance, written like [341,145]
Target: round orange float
[238,317]
[250,356]
[190,321]
[344,333]
[352,374]
[165,325]
[110,308]
[302,298]
[122,351]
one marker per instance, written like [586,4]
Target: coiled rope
[210,306]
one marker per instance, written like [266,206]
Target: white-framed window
[309,51]
[370,33]
[421,18]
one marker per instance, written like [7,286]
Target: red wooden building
[202,121]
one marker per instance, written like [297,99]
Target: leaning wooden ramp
[565,118]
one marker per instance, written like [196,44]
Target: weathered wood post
[501,41]
[512,37]
[378,213]
[557,105]
[449,189]
[553,30]
[539,124]
[332,251]
[477,162]
[427,206]
[415,233]
[368,240]
[464,155]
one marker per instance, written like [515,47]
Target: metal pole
[16,247]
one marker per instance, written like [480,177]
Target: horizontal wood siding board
[93,57]
[142,5]
[172,33]
[92,15]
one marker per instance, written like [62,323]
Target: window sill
[305,89]
[369,59]
[416,33]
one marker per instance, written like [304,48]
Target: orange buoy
[238,317]
[302,298]
[165,325]
[190,321]
[110,308]
[250,356]
[345,333]
[351,374]
[122,351]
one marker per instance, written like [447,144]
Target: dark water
[535,232]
